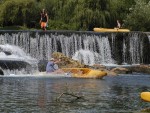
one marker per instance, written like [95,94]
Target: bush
[18,12]
[139,18]
[59,25]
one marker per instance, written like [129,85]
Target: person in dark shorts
[44,19]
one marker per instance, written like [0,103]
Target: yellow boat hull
[85,73]
[110,30]
[145,96]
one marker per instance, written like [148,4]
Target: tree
[139,17]
[77,14]
[16,12]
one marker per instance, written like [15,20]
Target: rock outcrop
[141,68]
[67,62]
[121,70]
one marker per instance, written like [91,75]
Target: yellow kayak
[145,96]
[85,72]
[110,30]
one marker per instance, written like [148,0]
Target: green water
[120,94]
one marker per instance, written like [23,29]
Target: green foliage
[59,25]
[16,12]
[139,18]
[120,8]
[13,27]
[76,14]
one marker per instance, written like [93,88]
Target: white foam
[38,75]
[16,54]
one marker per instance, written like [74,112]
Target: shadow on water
[118,94]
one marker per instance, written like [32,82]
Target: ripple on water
[118,94]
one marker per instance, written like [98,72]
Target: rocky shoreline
[67,62]
[126,70]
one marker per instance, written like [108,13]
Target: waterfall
[96,49]
[132,49]
[124,52]
[87,47]
[13,60]
[136,49]
[149,38]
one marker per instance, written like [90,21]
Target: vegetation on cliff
[76,14]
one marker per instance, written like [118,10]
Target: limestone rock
[67,62]
[111,73]
[141,68]
[120,70]
[99,66]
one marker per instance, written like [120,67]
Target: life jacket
[43,17]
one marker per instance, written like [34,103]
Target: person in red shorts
[44,19]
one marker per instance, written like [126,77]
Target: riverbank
[121,69]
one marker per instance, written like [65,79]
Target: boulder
[120,70]
[111,73]
[141,68]
[99,67]
[67,62]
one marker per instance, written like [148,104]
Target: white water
[136,49]
[14,72]
[90,58]
[16,54]
[37,75]
[149,38]
[87,48]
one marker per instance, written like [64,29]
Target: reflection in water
[112,94]
[42,95]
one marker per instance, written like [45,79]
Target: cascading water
[43,46]
[87,47]
[13,60]
[131,48]
[124,52]
[96,51]
[136,49]
[149,38]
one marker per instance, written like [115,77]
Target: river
[119,94]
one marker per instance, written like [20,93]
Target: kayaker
[118,24]
[44,19]
[52,66]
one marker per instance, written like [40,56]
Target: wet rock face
[98,66]
[1,72]
[7,52]
[141,69]
[128,70]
